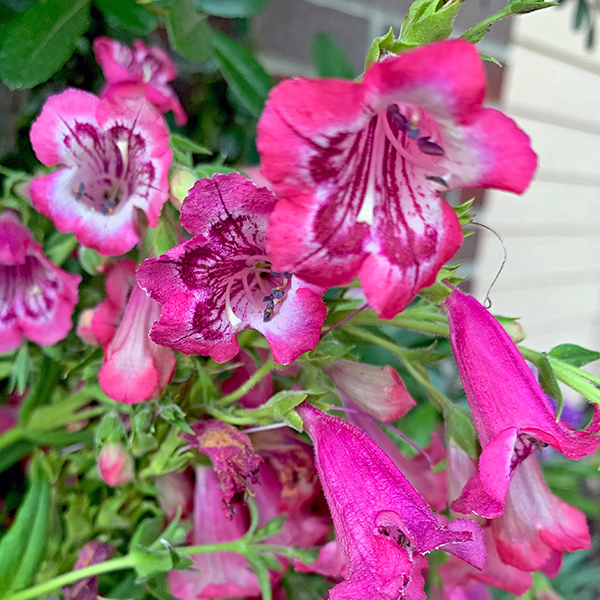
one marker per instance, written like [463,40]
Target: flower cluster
[213,343]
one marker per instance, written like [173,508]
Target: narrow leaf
[574,355]
[189,33]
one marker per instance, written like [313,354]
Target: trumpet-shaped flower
[360,167]
[37,299]
[114,158]
[383,526]
[135,368]
[512,414]
[221,281]
[217,574]
[143,71]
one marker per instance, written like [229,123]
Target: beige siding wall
[552,234]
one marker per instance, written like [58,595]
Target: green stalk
[248,385]
[11,436]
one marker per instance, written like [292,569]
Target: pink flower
[360,167]
[37,299]
[417,470]
[135,368]
[512,414]
[114,158]
[221,281]
[145,71]
[115,464]
[218,574]
[383,526]
[377,391]
[536,526]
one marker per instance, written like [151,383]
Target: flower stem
[11,436]
[248,385]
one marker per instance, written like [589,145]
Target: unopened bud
[513,328]
[115,465]
[180,183]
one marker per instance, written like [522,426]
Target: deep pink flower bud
[143,71]
[512,415]
[377,391]
[383,526]
[218,574]
[176,492]
[37,299]
[115,464]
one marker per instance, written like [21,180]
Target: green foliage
[231,9]
[29,53]
[189,33]
[23,547]
[428,21]
[243,73]
[330,59]
[129,15]
[574,355]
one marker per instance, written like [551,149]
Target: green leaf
[549,383]
[48,375]
[231,9]
[59,247]
[491,59]
[129,15]
[90,260]
[271,528]
[189,33]
[428,21]
[243,73]
[521,7]
[184,144]
[23,547]
[173,414]
[330,59]
[20,371]
[574,355]
[38,42]
[459,426]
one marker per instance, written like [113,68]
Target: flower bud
[176,491]
[115,465]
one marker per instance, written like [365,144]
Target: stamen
[233,318]
[439,180]
[123,146]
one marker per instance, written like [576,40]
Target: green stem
[43,589]
[439,400]
[505,12]
[248,385]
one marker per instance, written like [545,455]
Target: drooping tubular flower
[221,281]
[37,298]
[143,71]
[115,158]
[383,526]
[135,368]
[360,167]
[216,574]
[512,414]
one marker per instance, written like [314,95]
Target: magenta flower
[144,71]
[114,159]
[512,414]
[175,493]
[135,368]
[536,526]
[383,526]
[360,167]
[217,574]
[221,281]
[377,391]
[37,299]
[417,470]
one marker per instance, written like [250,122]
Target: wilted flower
[37,298]
[144,71]
[512,414]
[383,526]
[176,493]
[114,158]
[221,281]
[115,464]
[92,553]
[218,574]
[361,165]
